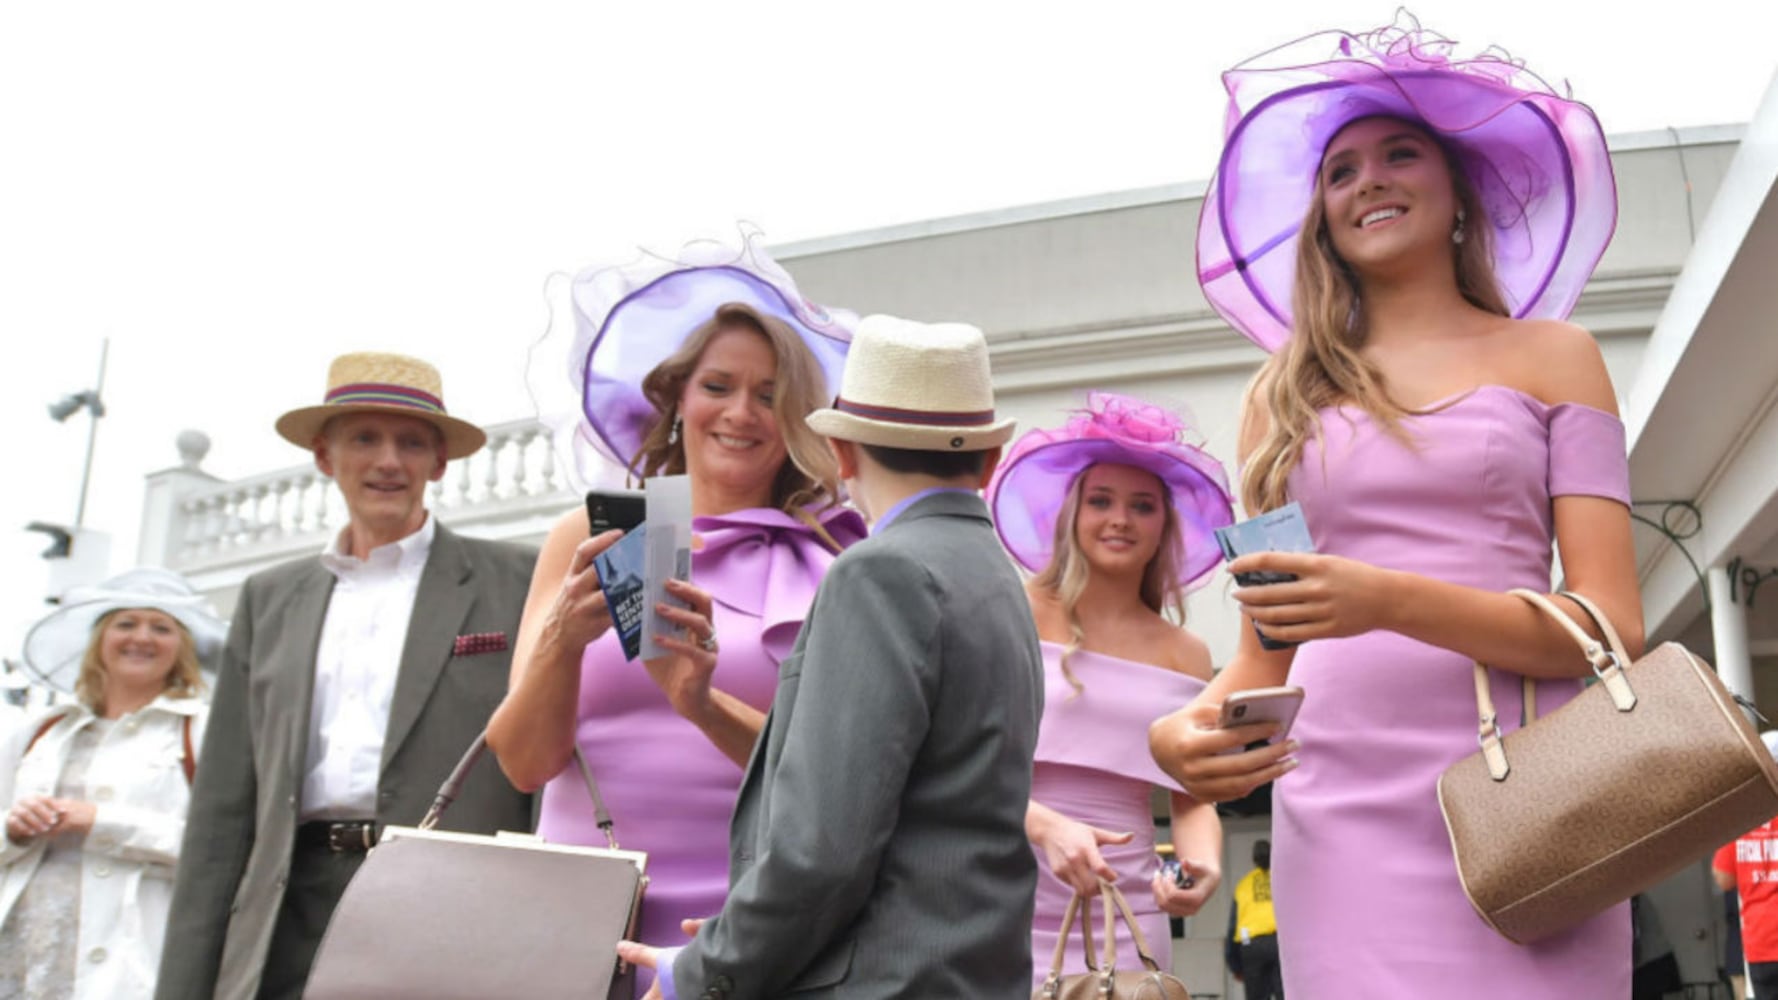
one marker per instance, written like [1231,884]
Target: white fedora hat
[923,386]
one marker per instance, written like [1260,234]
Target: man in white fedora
[878,847]
[350,684]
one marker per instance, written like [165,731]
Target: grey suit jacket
[878,848]
[242,826]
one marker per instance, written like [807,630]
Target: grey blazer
[878,848]
[242,827]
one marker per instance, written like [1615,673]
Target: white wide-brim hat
[921,386]
[369,382]
[55,645]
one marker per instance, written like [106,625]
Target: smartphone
[1273,704]
[619,509]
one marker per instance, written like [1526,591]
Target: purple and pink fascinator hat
[1536,157]
[630,318]
[1031,486]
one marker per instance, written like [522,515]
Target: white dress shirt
[362,638]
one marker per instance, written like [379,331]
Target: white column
[1728,629]
[162,523]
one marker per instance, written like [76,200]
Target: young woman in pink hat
[1405,232]
[1114,512]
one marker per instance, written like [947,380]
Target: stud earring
[1457,234]
[673,433]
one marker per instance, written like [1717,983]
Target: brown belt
[351,836]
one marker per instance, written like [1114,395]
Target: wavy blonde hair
[185,680]
[809,474]
[1065,578]
[1322,363]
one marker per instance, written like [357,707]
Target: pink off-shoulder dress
[669,790]
[1093,766]
[1367,896]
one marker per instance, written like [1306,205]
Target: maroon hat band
[929,418]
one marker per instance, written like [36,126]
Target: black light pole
[89,400]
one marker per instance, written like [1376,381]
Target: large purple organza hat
[1536,158]
[630,318]
[1031,485]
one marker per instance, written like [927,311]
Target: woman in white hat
[97,791]
[705,368]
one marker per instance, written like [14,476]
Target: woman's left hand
[1332,596]
[1177,902]
[685,675]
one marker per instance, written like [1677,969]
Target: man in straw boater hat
[878,846]
[351,683]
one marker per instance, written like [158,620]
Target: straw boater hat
[1536,158]
[921,386]
[1031,486]
[382,383]
[55,645]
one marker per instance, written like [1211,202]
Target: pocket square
[479,642]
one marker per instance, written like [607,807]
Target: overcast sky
[234,192]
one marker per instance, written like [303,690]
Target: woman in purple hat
[1405,232]
[1115,514]
[705,366]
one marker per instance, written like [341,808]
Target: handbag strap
[1115,898]
[1607,660]
[453,786]
[1052,983]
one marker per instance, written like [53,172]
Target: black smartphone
[619,509]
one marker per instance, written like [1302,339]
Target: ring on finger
[708,643]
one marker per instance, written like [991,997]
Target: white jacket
[137,782]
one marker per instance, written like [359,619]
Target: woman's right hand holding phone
[579,614]
[1208,761]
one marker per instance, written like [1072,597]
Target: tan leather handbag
[1643,773]
[1103,981]
[458,916]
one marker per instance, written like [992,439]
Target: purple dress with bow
[669,790]
[1366,891]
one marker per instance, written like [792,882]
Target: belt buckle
[349,838]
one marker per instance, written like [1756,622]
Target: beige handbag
[458,916]
[1103,981]
[1643,773]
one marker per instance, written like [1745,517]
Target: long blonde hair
[185,680]
[809,475]
[1321,365]
[1065,578]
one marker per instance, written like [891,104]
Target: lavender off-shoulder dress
[1093,766]
[1367,896]
[669,790]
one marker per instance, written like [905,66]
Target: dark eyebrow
[1149,494]
[719,373]
[1407,136]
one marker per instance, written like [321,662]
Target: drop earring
[1457,234]
[673,432]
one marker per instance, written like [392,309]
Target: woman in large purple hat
[1405,232]
[705,365]
[1114,513]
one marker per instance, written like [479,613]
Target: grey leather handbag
[457,916]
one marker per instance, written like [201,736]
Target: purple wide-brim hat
[630,318]
[1537,160]
[1031,485]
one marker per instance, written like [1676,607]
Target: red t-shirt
[1753,859]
